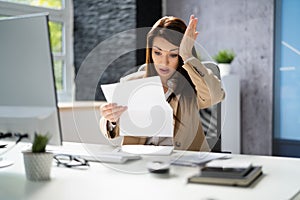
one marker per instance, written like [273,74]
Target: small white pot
[225,69]
[38,165]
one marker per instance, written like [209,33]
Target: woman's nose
[165,60]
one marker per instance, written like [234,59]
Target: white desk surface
[281,180]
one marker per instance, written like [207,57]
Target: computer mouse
[158,167]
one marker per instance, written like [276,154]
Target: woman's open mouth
[164,70]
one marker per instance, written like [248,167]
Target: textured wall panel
[98,25]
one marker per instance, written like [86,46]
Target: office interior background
[262,33]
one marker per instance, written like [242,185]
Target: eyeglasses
[70,161]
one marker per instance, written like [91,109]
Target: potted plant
[37,161]
[224,59]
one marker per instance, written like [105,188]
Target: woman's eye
[157,53]
[174,55]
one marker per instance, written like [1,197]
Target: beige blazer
[188,132]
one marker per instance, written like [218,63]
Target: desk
[281,180]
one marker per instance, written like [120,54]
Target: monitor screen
[28,102]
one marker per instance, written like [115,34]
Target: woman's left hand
[188,40]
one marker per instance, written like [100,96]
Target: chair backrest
[211,117]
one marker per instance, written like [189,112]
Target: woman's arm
[110,114]
[208,86]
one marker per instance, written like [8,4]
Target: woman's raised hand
[112,111]
[188,40]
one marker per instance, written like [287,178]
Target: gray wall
[100,50]
[246,26]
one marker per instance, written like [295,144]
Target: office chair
[211,117]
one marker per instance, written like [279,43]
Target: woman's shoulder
[133,76]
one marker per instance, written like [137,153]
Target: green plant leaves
[224,56]
[39,143]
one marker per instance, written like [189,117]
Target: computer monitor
[28,101]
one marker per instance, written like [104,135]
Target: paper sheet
[198,158]
[148,113]
[147,149]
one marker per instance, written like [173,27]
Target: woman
[187,84]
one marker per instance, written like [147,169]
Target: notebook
[220,178]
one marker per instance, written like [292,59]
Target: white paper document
[229,163]
[147,149]
[197,158]
[148,113]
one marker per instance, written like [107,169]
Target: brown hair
[172,29]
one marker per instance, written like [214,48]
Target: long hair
[171,29]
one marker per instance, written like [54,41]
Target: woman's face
[165,58]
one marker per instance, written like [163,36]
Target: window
[61,28]
[286,141]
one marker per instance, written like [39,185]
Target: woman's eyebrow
[157,48]
[176,49]
[165,50]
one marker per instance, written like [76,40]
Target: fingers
[111,111]
[196,35]
[114,114]
[189,38]
[191,20]
[192,25]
